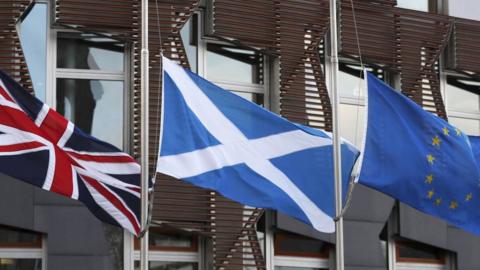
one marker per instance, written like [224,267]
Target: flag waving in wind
[419,159]
[214,139]
[41,147]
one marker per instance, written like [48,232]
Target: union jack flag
[41,147]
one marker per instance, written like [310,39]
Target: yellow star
[453,205]
[429,179]
[438,201]
[446,131]
[436,141]
[430,159]
[469,197]
[459,132]
[430,193]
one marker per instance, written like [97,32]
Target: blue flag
[215,139]
[419,159]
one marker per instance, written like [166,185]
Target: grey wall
[75,238]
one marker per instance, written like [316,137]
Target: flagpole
[144,136]
[339,258]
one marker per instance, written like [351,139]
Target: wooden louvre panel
[301,27]
[376,31]
[405,41]
[12,59]
[466,45]
[250,22]
[117,18]
[420,40]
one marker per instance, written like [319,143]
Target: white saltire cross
[235,148]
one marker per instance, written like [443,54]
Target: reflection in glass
[421,5]
[33,37]
[231,64]
[19,238]
[169,265]
[96,107]
[189,36]
[253,97]
[350,78]
[414,250]
[463,94]
[20,264]
[157,239]
[295,268]
[468,126]
[88,51]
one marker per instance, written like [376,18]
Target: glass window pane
[20,264]
[407,251]
[170,240]
[295,268]
[96,107]
[467,9]
[421,5]
[88,51]
[469,126]
[189,36]
[463,94]
[19,238]
[296,245]
[169,265]
[352,124]
[253,97]
[33,37]
[349,81]
[228,63]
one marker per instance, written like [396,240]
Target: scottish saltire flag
[419,159]
[41,147]
[214,139]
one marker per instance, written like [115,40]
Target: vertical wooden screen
[12,59]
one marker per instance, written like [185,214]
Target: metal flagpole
[336,137]
[144,136]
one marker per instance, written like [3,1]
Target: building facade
[82,58]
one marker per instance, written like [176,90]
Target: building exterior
[82,58]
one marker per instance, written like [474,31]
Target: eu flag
[215,139]
[419,159]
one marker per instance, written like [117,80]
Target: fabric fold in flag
[217,140]
[61,158]
[419,159]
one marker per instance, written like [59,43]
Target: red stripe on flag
[20,146]
[113,200]
[62,178]
[112,159]
[54,126]
[5,94]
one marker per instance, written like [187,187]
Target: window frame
[132,255]
[467,115]
[124,76]
[441,262]
[26,250]
[202,70]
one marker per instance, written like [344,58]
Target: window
[170,249]
[33,37]
[414,255]
[420,5]
[463,102]
[20,250]
[352,93]
[91,84]
[295,252]
[467,9]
